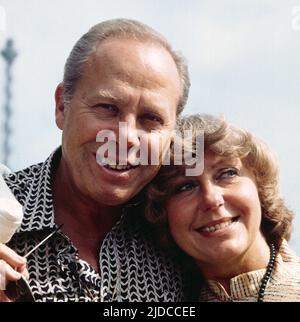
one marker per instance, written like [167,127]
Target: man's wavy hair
[225,140]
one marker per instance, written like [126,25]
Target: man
[120,71]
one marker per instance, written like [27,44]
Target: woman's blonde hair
[226,140]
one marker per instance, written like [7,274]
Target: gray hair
[121,28]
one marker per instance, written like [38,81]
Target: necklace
[268,273]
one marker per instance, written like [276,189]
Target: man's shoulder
[32,176]
[32,188]
[20,179]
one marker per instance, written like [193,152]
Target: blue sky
[243,58]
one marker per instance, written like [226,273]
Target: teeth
[113,165]
[217,226]
[119,167]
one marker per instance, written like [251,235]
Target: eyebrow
[179,176]
[103,93]
[225,161]
[107,94]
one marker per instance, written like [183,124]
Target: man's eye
[226,174]
[153,118]
[107,107]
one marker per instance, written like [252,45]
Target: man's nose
[129,133]
[211,197]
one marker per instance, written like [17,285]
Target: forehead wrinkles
[144,65]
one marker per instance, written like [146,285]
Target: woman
[231,219]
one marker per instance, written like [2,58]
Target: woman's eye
[229,173]
[186,187]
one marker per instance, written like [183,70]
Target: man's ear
[59,106]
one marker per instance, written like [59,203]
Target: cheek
[178,218]
[247,201]
[147,173]
[74,133]
[157,143]
[86,125]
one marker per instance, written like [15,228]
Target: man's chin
[118,198]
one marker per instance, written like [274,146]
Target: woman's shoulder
[288,255]
[285,282]
[288,262]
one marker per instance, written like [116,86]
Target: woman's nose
[211,197]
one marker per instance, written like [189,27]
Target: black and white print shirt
[131,268]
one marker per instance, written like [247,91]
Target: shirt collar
[32,188]
[241,286]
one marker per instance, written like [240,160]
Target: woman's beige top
[283,286]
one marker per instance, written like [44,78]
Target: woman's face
[215,217]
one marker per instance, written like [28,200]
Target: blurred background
[243,56]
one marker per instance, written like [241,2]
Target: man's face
[124,81]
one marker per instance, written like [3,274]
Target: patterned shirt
[283,286]
[131,268]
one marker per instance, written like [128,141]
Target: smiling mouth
[218,226]
[116,167]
